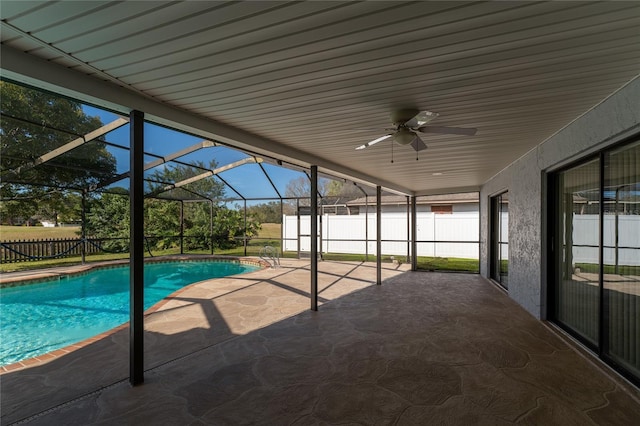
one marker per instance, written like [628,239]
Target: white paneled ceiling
[314,80]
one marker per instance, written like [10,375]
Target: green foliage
[266,212]
[228,226]
[16,207]
[342,190]
[207,188]
[60,206]
[197,220]
[108,217]
[24,141]
[162,221]
[35,123]
[448,264]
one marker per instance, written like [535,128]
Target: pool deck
[13,279]
[422,348]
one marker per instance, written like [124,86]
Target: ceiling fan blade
[365,129]
[373,142]
[468,131]
[421,118]
[418,144]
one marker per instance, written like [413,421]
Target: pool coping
[80,269]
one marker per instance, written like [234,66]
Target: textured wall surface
[498,184]
[609,122]
[525,234]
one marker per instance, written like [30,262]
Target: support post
[408,229]
[414,236]
[320,245]
[136,249]
[282,225]
[211,224]
[604,336]
[181,227]
[314,238]
[83,229]
[366,228]
[617,227]
[298,223]
[379,235]
[244,234]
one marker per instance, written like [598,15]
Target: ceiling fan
[409,122]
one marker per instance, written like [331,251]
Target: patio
[423,348]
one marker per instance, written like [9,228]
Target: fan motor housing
[401,116]
[404,136]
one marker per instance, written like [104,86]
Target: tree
[229,226]
[300,188]
[16,208]
[109,214]
[35,123]
[59,206]
[162,221]
[207,188]
[343,190]
[266,212]
[108,217]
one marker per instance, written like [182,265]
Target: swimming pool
[41,317]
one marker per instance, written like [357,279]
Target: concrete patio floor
[422,349]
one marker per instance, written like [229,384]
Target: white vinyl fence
[347,234]
[448,235]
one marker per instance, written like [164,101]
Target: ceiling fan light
[425,116]
[404,136]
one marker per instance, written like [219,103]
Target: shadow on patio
[423,348]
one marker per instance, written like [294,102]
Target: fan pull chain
[392,143]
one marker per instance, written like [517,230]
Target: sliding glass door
[621,256]
[500,239]
[595,262]
[577,241]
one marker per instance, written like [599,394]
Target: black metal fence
[34,250]
[30,250]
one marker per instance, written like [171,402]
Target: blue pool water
[39,318]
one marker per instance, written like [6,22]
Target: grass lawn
[269,235]
[12,233]
[448,264]
[424,262]
[609,269]
[270,230]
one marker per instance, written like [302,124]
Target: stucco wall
[611,121]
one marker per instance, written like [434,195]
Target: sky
[248,179]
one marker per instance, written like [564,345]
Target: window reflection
[621,255]
[500,239]
[577,274]
[596,245]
